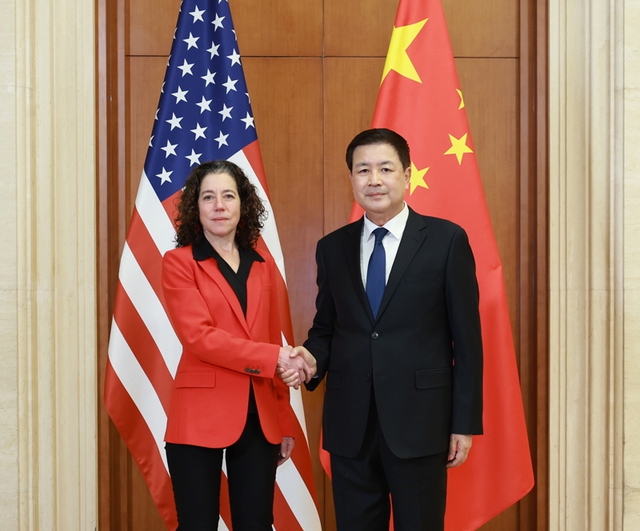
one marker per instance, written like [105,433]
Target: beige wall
[631,227]
[8,269]
[594,193]
[47,265]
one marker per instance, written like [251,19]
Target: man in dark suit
[397,335]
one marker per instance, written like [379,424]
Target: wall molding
[586,266]
[56,264]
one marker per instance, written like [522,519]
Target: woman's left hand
[290,377]
[286,447]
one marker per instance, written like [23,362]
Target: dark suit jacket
[422,356]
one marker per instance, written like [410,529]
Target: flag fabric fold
[420,98]
[204,113]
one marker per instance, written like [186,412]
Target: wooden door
[313,70]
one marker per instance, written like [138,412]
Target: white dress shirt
[390,242]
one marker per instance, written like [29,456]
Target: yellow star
[397,57]
[417,178]
[458,147]
[461,99]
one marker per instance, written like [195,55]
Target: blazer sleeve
[208,340]
[464,320]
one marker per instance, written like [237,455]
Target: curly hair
[252,212]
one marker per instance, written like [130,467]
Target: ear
[407,176]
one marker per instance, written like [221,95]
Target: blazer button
[367,377]
[375,335]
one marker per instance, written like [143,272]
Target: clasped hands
[296,365]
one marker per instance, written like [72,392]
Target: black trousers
[251,472]
[363,486]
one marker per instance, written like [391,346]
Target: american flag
[204,114]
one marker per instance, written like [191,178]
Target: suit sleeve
[464,320]
[195,327]
[321,333]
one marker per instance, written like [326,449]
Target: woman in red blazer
[221,297]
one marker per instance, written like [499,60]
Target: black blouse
[238,281]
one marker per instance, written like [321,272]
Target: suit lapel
[352,252]
[210,267]
[412,239]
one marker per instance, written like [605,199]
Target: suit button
[367,377]
[375,335]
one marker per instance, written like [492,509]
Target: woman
[222,300]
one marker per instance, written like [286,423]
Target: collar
[203,250]
[395,225]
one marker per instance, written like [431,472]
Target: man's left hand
[459,447]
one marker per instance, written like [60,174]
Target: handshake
[295,366]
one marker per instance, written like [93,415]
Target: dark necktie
[376,271]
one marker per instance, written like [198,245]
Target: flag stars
[186,68]
[213,50]
[180,95]
[417,178]
[205,105]
[248,121]
[230,84]
[169,149]
[222,140]
[165,176]
[192,42]
[174,121]
[217,22]
[461,106]
[225,112]
[397,58]
[199,132]
[195,85]
[208,79]
[194,158]
[235,58]
[458,147]
[197,15]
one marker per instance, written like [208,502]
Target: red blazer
[223,352]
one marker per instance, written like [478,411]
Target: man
[397,335]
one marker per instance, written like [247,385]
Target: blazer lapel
[254,292]
[412,239]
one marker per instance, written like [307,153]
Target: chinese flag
[420,98]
